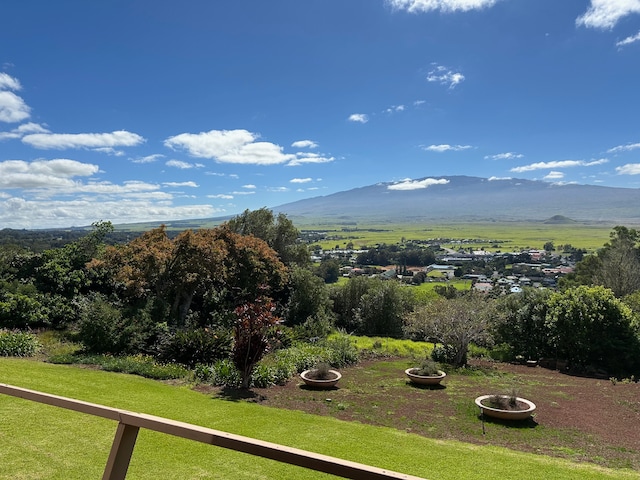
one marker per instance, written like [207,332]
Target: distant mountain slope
[473,199]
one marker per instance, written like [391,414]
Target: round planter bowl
[506,414]
[425,379]
[318,383]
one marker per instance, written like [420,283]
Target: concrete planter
[501,414]
[321,383]
[425,379]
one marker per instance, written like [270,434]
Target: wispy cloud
[223,196]
[558,164]
[249,186]
[554,175]
[300,180]
[444,76]
[304,144]
[446,148]
[497,179]
[629,169]
[359,117]
[418,6]
[417,184]
[624,148]
[60,141]
[394,109]
[181,184]
[606,14]
[307,157]
[22,130]
[181,164]
[12,107]
[148,158]
[629,40]
[504,156]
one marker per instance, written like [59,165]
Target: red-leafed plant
[250,335]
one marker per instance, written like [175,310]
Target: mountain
[463,198]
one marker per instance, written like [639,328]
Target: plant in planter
[323,376]
[427,373]
[505,407]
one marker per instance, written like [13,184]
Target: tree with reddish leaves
[250,335]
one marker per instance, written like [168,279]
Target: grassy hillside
[46,442]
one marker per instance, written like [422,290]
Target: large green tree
[594,331]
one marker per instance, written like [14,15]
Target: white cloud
[395,108]
[223,196]
[444,76]
[243,193]
[504,156]
[629,169]
[418,6]
[148,158]
[303,158]
[181,184]
[16,212]
[304,144]
[628,40]
[605,14]
[12,107]
[179,164]
[446,148]
[7,82]
[624,148]
[230,146]
[417,184]
[120,138]
[23,130]
[278,189]
[249,186]
[558,164]
[553,175]
[300,180]
[417,103]
[359,117]
[43,173]
[495,179]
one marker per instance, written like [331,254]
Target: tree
[278,231]
[592,329]
[455,323]
[329,270]
[309,298]
[522,323]
[615,266]
[250,335]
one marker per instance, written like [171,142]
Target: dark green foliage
[309,299]
[18,310]
[18,344]
[374,307]
[444,354]
[594,331]
[329,270]
[199,345]
[522,324]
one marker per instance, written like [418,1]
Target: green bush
[18,344]
[197,346]
[224,373]
[443,354]
[18,310]
[144,366]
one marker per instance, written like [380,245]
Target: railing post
[121,451]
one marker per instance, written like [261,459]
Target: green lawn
[43,442]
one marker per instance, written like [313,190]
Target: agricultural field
[511,236]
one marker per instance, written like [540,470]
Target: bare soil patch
[583,419]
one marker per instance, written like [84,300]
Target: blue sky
[147,110]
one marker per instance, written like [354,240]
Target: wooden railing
[130,423]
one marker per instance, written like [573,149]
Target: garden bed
[583,419]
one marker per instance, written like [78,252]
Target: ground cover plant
[46,442]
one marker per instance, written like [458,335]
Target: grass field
[42,442]
[507,236]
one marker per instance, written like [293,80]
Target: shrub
[224,373]
[342,351]
[443,354]
[102,329]
[144,366]
[18,344]
[197,346]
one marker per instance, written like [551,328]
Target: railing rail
[129,424]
